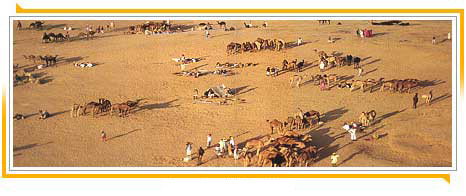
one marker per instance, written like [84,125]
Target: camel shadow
[49,27]
[240,90]
[46,80]
[387,115]
[351,156]
[426,83]
[58,113]
[29,146]
[365,58]
[214,36]
[379,34]
[168,104]
[290,45]
[124,134]
[374,61]
[334,114]
[71,59]
[368,72]
[440,98]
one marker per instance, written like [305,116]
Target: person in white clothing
[209,140]
[300,41]
[334,159]
[189,149]
[222,145]
[449,36]
[352,132]
[235,153]
[232,141]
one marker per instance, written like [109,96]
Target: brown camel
[275,124]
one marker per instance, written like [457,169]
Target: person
[235,153]
[330,39]
[267,71]
[433,40]
[322,66]
[415,100]
[19,26]
[206,34]
[300,41]
[232,141]
[352,132]
[200,153]
[322,85]
[361,33]
[449,36]
[67,35]
[182,58]
[360,70]
[334,159]
[209,140]
[189,149]
[222,145]
[346,127]
[43,114]
[218,151]
[357,32]
[18,116]
[266,24]
[103,136]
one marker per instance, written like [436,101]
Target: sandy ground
[134,67]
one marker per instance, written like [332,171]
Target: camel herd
[257,45]
[102,106]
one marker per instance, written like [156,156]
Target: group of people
[223,147]
[364,33]
[271,71]
[87,64]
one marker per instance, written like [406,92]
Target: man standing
[352,132]
[103,136]
[334,159]
[206,34]
[189,149]
[209,140]
[433,40]
[200,153]
[415,100]
[300,41]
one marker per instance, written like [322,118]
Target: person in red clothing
[103,135]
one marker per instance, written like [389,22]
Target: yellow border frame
[19,9]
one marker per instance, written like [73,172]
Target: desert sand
[132,67]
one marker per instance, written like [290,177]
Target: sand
[132,67]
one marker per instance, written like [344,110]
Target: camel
[357,83]
[75,110]
[275,124]
[363,118]
[247,157]
[267,155]
[428,97]
[331,78]
[290,122]
[222,24]
[371,116]
[390,84]
[321,54]
[289,141]
[30,58]
[408,84]
[372,83]
[279,44]
[307,154]
[256,144]
[89,106]
[298,79]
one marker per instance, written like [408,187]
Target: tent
[217,91]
